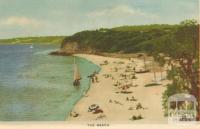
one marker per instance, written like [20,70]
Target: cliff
[74,47]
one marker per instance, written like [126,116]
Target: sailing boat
[31,46]
[77,76]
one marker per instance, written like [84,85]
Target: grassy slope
[30,40]
[124,39]
[144,27]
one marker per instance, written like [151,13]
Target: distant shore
[115,104]
[33,40]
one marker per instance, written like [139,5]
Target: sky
[22,18]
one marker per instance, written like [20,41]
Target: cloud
[120,10]
[20,21]
[119,15]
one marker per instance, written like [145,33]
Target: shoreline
[89,85]
[114,105]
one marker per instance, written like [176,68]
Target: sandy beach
[116,76]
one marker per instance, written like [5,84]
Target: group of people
[94,77]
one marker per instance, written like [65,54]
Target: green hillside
[125,39]
[145,27]
[28,40]
[133,39]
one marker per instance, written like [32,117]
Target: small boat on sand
[142,71]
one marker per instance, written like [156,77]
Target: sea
[35,86]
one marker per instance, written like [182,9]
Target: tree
[161,61]
[186,52]
[182,47]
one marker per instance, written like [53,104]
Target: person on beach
[92,79]
[139,106]
[96,78]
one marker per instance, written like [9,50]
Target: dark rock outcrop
[60,53]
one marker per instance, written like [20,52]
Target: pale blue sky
[65,17]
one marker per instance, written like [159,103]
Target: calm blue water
[35,86]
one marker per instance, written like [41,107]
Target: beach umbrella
[93,107]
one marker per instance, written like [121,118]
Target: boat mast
[77,75]
[74,69]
